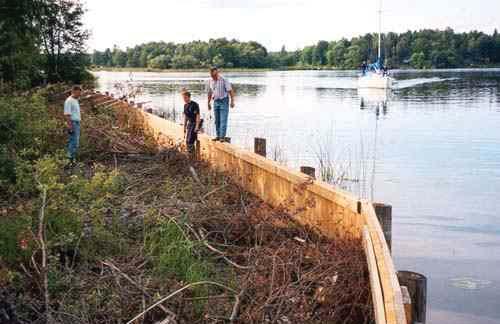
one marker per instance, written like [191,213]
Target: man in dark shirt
[191,120]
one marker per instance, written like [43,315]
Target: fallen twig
[236,306]
[179,291]
[214,191]
[222,254]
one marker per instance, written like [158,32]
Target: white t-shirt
[72,108]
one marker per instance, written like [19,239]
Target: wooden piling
[260,146]
[417,287]
[384,215]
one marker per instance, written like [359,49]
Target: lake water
[430,148]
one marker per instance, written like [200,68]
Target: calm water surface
[430,148]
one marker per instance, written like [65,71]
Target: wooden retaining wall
[331,211]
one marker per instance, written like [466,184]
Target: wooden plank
[376,289]
[394,309]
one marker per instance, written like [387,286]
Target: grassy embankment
[130,226]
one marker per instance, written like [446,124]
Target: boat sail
[375,75]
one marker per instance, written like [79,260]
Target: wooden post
[310,171]
[407,304]
[384,215]
[417,287]
[260,146]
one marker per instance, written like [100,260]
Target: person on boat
[222,94]
[364,67]
[192,120]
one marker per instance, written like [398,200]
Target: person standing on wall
[73,118]
[222,94]
[192,121]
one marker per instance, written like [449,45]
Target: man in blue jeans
[73,117]
[222,94]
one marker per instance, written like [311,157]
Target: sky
[274,23]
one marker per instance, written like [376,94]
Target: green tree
[307,55]
[418,61]
[63,37]
[336,53]
[353,57]
[319,53]
[118,57]
[160,62]
[19,54]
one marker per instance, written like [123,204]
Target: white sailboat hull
[375,81]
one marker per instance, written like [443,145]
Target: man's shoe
[216,139]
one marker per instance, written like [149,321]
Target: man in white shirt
[220,91]
[73,118]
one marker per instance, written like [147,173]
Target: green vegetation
[415,49]
[86,218]
[42,41]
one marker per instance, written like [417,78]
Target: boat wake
[402,84]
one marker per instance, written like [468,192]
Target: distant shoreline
[134,69]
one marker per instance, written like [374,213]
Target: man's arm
[231,95]
[185,123]
[209,96]
[68,121]
[229,89]
[67,115]
[198,121]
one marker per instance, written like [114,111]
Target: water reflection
[377,98]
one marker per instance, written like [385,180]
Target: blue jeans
[74,140]
[221,112]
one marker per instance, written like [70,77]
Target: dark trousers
[191,136]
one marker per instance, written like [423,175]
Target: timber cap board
[385,287]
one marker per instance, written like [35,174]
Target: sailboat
[374,75]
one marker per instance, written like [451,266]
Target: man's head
[76,91]
[214,72]
[186,96]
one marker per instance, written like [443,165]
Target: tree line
[42,41]
[412,49]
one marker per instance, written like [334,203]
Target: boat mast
[380,31]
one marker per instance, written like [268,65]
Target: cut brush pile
[164,239]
